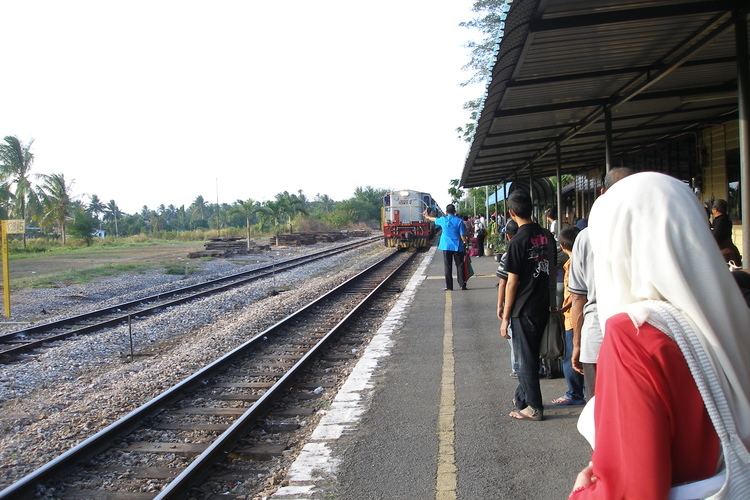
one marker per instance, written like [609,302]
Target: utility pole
[218,227]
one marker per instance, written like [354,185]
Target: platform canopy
[658,68]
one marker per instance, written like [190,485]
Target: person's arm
[427,216]
[511,287]
[500,297]
[576,314]
[566,303]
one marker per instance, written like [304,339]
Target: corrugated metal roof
[562,61]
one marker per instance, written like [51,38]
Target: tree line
[50,207]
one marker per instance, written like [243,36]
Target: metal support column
[608,138]
[743,98]
[531,191]
[486,205]
[559,190]
[505,200]
[497,213]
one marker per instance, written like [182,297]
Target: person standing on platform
[721,228]
[480,232]
[511,228]
[451,243]
[587,334]
[531,259]
[574,380]
[551,216]
[672,405]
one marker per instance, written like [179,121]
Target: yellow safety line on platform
[445,488]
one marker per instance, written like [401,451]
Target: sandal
[520,415]
[565,401]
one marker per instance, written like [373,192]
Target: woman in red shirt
[675,337]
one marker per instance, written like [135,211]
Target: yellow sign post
[14,226]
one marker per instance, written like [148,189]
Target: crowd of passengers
[657,334]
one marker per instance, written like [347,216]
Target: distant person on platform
[551,217]
[452,244]
[531,259]
[721,227]
[480,230]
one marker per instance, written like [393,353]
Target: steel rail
[103,438]
[179,486]
[251,275]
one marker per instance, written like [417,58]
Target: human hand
[585,478]
[504,329]
[574,359]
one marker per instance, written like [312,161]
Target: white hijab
[651,241]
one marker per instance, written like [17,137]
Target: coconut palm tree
[15,167]
[95,208]
[250,209]
[325,202]
[112,212]
[198,209]
[290,205]
[56,200]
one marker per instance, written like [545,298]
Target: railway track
[14,343]
[222,412]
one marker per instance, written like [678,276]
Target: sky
[151,102]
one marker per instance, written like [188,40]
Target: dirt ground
[25,271]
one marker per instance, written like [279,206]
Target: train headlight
[404,193]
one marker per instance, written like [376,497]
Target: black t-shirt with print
[532,256]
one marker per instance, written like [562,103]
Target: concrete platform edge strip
[316,463]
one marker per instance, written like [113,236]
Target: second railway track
[209,412]
[13,344]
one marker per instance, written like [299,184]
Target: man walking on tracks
[452,245]
[531,259]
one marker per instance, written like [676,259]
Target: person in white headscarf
[672,398]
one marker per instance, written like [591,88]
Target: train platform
[424,414]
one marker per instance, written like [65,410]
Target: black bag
[553,338]
[550,368]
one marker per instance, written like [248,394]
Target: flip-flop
[519,415]
[563,401]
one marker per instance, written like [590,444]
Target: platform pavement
[393,450]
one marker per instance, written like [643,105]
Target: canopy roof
[663,67]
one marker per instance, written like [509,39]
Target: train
[404,225]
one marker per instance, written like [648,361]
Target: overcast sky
[149,102]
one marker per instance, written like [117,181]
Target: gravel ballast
[65,393]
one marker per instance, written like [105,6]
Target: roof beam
[725,106]
[620,16]
[677,57]
[616,131]
[572,77]
[589,103]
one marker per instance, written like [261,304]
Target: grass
[180,269]
[80,276]
[39,250]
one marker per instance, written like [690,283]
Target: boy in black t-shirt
[531,259]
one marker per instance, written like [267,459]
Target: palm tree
[57,200]
[198,209]
[95,208]
[112,212]
[250,209]
[291,205]
[15,166]
[325,202]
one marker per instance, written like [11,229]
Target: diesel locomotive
[404,225]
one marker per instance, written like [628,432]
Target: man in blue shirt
[452,245]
